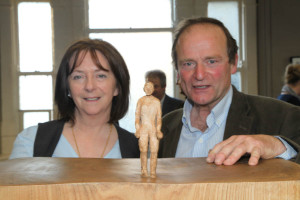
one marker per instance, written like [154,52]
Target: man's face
[203,64]
[159,91]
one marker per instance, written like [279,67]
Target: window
[144,40]
[35,62]
[142,32]
[228,13]
[28,61]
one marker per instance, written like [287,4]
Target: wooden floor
[186,178]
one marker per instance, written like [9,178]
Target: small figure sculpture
[148,125]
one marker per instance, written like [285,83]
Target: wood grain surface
[180,178]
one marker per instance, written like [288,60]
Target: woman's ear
[116,92]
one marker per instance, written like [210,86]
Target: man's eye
[188,64]
[212,61]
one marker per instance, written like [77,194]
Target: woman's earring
[69,95]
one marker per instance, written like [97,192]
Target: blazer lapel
[173,128]
[239,120]
[167,105]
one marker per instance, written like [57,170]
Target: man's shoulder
[173,115]
[263,103]
[172,103]
[172,99]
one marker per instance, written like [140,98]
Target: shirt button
[200,140]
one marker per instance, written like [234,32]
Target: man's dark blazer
[171,104]
[247,115]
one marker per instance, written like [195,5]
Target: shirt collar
[220,111]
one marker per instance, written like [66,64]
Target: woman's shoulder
[52,123]
[123,132]
[289,98]
[23,145]
[28,133]
[128,143]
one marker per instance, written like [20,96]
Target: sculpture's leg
[144,164]
[143,144]
[153,157]
[153,163]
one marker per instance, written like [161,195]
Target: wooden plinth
[187,178]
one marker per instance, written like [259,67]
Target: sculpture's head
[149,88]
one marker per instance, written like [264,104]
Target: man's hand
[231,150]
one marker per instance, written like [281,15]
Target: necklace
[104,146]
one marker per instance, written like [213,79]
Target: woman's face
[91,88]
[297,88]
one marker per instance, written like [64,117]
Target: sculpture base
[181,178]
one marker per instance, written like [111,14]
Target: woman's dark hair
[232,47]
[71,59]
[292,74]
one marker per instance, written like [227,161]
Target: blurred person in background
[158,78]
[290,92]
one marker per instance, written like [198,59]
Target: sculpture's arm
[159,134]
[137,118]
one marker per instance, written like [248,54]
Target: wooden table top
[43,171]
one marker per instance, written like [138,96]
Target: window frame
[19,73]
[137,30]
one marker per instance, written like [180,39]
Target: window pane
[142,52]
[129,14]
[33,118]
[35,37]
[227,12]
[236,80]
[35,92]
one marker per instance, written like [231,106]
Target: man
[148,125]
[217,121]
[158,78]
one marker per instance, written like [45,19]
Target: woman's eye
[101,76]
[76,77]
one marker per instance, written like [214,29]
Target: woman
[291,90]
[92,94]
